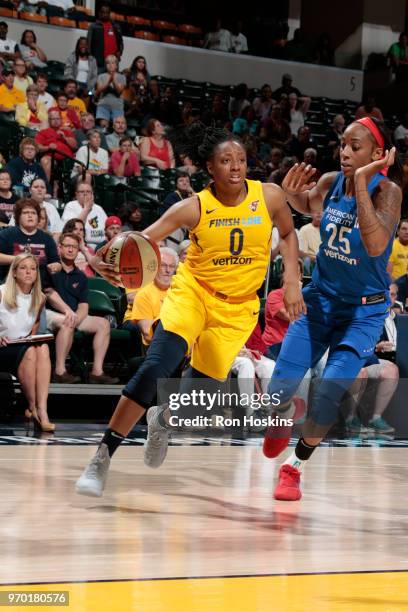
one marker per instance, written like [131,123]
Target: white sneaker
[93,478]
[155,450]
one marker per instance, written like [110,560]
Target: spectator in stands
[24,168]
[369,109]
[155,149]
[94,160]
[401,134]
[298,144]
[81,67]
[310,157]
[55,140]
[21,304]
[182,249]
[246,123]
[186,164]
[131,217]
[183,190]
[298,108]
[45,98]
[139,75]
[87,122]
[238,101]
[32,114]
[85,253]
[72,286]
[277,176]
[238,39]
[109,88]
[297,49]
[10,96]
[278,129]
[71,91]
[125,162]
[31,53]
[333,136]
[119,126]
[148,301]
[104,38]
[276,44]
[276,319]
[399,256]
[166,108]
[309,242]
[402,284]
[7,197]
[43,221]
[69,117]
[398,54]
[248,364]
[26,236]
[286,88]
[38,193]
[324,53]
[217,115]
[21,78]
[262,104]
[218,39]
[273,159]
[113,227]
[8,47]
[91,214]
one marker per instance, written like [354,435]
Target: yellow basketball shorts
[214,330]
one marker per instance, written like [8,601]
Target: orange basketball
[136,259]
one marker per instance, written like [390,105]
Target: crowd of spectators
[119,123]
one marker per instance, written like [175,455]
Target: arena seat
[146,35]
[8,12]
[116,296]
[170,39]
[63,22]
[139,22]
[167,26]
[33,17]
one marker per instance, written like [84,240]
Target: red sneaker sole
[286,494]
[272,447]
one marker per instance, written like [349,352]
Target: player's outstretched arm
[282,217]
[183,214]
[305,196]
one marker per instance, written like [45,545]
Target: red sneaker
[288,487]
[277,437]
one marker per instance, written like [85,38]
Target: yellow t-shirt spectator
[78,105]
[9,98]
[147,305]
[399,259]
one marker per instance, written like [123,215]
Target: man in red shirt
[55,138]
[104,38]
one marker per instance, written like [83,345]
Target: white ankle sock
[294,462]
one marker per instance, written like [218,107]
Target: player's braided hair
[199,142]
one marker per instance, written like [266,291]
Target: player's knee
[390,371]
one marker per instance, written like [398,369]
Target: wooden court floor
[203,533]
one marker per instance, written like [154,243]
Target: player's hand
[55,267]
[293,300]
[297,179]
[107,271]
[367,172]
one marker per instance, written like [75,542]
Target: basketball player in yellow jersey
[212,306]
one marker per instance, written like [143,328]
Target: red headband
[379,139]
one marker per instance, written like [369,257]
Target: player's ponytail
[199,142]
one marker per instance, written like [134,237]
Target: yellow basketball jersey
[230,244]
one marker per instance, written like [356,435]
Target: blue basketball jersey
[343,267]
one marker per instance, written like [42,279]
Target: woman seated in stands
[21,303]
[155,149]
[298,108]
[31,53]
[131,217]
[32,114]
[81,66]
[139,75]
[94,160]
[125,162]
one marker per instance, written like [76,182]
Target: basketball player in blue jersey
[347,300]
